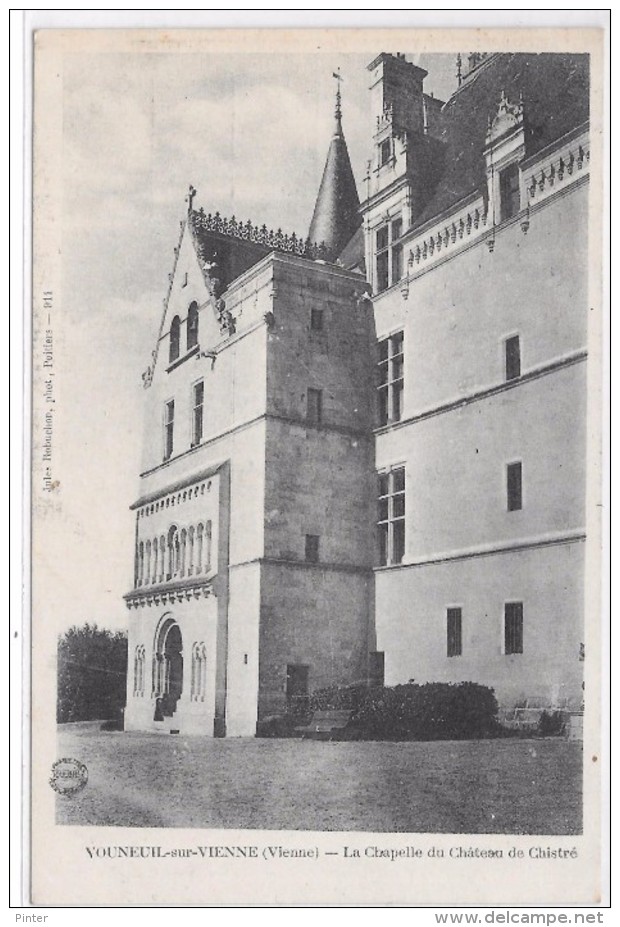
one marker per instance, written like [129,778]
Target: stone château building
[364,452]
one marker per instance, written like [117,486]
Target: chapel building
[364,451]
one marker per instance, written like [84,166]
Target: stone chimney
[396,91]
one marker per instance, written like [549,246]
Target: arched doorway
[167,668]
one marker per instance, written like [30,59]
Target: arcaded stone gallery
[364,451]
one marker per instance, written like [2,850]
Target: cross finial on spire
[189,199]
[338,111]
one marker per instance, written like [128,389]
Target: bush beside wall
[432,711]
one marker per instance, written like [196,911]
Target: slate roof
[352,255]
[555,89]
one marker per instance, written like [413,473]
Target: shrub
[92,674]
[299,711]
[338,698]
[433,711]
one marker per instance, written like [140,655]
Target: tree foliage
[92,674]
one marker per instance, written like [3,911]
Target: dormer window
[198,398]
[192,326]
[385,152]
[509,194]
[503,152]
[174,553]
[175,339]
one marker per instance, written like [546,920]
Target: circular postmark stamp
[68,776]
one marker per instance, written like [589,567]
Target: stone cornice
[518,546]
[557,364]
[178,485]
[183,590]
[359,433]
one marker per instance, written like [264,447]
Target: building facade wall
[285,466]
[188,587]
[412,605]
[243,655]
[316,616]
[462,423]
[287,477]
[459,312]
[455,467]
[319,482]
[217,480]
[195,710]
[333,358]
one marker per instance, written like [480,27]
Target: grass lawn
[156,780]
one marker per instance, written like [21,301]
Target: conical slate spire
[336,215]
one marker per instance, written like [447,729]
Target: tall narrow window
[199,540]
[382,240]
[513,627]
[192,326]
[513,357]
[510,198]
[391,516]
[397,251]
[193,691]
[208,539]
[139,670]
[142,661]
[314,411]
[155,560]
[147,563]
[454,632]
[175,338]
[198,395]
[312,548]
[173,552]
[389,254]
[168,429]
[140,563]
[203,672]
[190,551]
[162,558]
[390,368]
[199,672]
[514,487]
[183,551]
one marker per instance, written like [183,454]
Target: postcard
[316,460]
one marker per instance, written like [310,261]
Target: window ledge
[181,360]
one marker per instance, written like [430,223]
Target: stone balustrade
[558,170]
[469,223]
